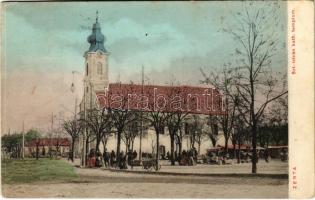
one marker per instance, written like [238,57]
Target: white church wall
[149,140]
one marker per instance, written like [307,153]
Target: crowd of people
[245,156]
[190,157]
[111,159]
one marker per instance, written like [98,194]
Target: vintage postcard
[157,99]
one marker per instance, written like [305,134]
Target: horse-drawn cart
[150,164]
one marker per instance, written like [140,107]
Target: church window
[99,68]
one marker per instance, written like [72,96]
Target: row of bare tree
[127,124]
[254,88]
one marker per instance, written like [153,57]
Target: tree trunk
[86,150]
[239,152]
[172,149]
[234,151]
[132,142]
[104,144]
[254,144]
[37,151]
[192,146]
[226,145]
[72,149]
[157,149]
[140,145]
[180,144]
[97,146]
[118,147]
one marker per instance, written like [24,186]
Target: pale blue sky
[46,41]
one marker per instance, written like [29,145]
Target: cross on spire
[96,15]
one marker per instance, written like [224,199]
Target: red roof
[187,99]
[50,142]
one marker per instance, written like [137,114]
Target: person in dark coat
[112,158]
[129,157]
[106,158]
[134,155]
[121,159]
[168,155]
[266,155]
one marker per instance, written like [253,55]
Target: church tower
[96,65]
[95,79]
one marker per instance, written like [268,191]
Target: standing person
[134,155]
[266,155]
[121,160]
[129,157]
[112,158]
[195,154]
[99,159]
[168,156]
[191,157]
[175,156]
[106,158]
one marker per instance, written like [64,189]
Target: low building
[48,146]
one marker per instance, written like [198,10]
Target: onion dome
[96,39]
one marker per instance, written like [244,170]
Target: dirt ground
[148,190]
[272,167]
[105,184]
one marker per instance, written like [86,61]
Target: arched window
[99,68]
[87,69]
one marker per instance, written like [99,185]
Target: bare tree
[121,118]
[122,115]
[105,138]
[238,136]
[278,120]
[174,123]
[257,40]
[195,130]
[158,120]
[179,138]
[100,123]
[212,129]
[129,135]
[223,82]
[74,128]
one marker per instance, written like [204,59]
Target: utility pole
[83,163]
[91,106]
[52,122]
[75,121]
[73,90]
[141,113]
[23,142]
[52,128]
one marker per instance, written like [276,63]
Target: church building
[96,80]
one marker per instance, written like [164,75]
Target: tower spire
[96,39]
